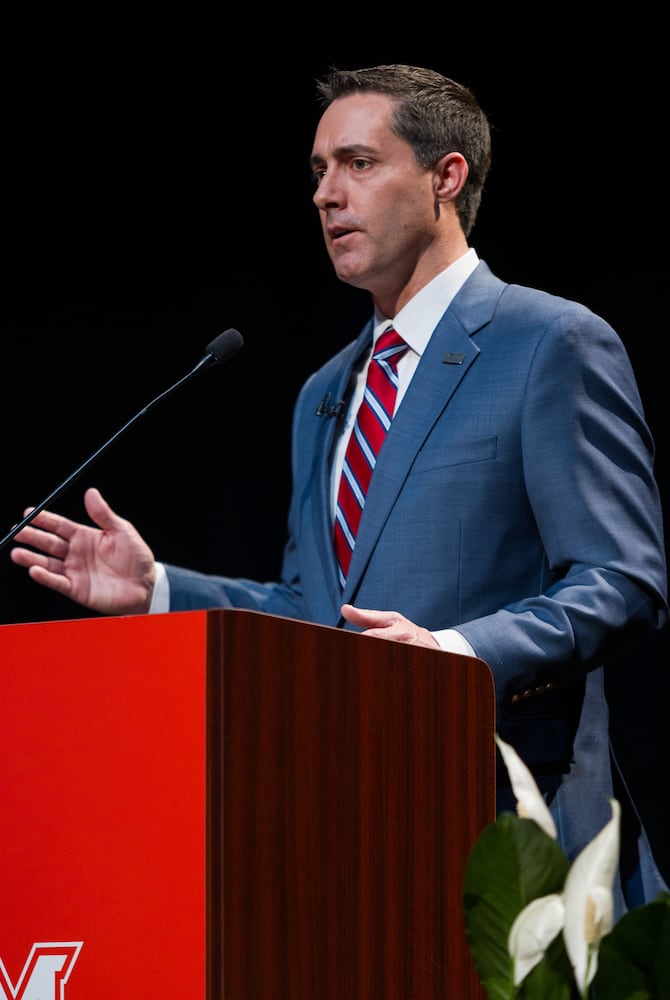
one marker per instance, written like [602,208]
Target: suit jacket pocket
[434,456]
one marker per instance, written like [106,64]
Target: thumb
[364,616]
[99,510]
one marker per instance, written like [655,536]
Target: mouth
[337,234]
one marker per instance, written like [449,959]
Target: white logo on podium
[45,973]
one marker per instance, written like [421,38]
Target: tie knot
[389,344]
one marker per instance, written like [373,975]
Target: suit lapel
[449,354]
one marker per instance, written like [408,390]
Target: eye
[317,175]
[359,163]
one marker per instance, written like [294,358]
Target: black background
[156,192]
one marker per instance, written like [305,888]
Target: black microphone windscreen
[225,345]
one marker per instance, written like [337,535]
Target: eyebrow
[341,152]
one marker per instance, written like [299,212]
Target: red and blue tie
[372,422]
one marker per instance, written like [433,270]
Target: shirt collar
[418,318]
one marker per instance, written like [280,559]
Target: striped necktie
[372,422]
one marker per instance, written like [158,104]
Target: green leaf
[512,862]
[552,978]
[634,958]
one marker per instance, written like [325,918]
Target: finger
[49,547]
[367,617]
[99,510]
[46,541]
[42,569]
[47,521]
[54,581]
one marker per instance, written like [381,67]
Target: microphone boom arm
[220,349]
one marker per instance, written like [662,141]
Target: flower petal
[533,931]
[530,804]
[589,903]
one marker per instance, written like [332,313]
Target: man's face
[377,205]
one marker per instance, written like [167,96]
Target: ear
[449,176]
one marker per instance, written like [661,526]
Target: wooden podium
[236,806]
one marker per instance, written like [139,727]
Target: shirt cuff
[452,641]
[160,599]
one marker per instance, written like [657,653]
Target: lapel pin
[453,359]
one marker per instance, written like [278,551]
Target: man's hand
[389,625]
[106,566]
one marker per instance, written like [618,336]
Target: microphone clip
[324,409]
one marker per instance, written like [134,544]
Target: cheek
[415,204]
[410,218]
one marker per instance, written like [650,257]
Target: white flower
[585,908]
[533,931]
[588,899]
[530,804]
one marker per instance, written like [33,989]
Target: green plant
[541,928]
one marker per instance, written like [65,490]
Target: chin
[352,275]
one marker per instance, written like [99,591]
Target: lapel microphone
[324,409]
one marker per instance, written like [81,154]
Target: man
[512,512]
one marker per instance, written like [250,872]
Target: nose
[329,192]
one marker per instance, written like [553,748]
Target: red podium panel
[236,806]
[103,791]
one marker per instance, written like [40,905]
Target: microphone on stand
[219,350]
